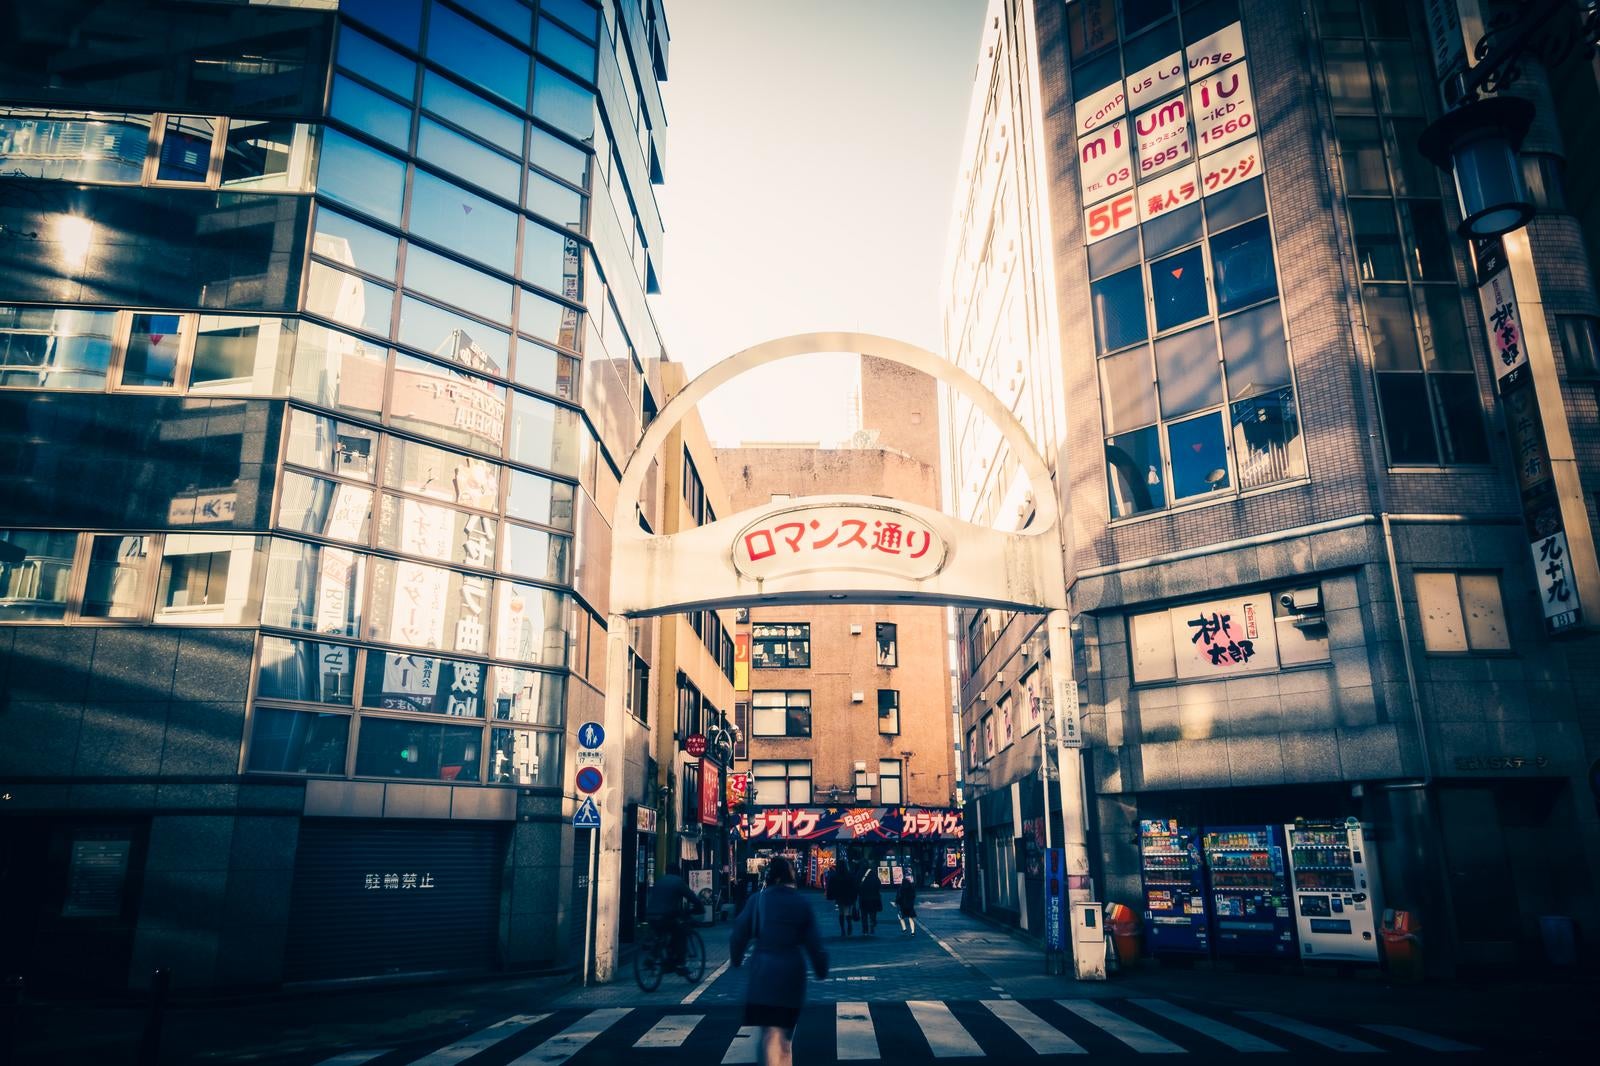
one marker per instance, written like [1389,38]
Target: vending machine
[1174,889]
[1335,881]
[1250,910]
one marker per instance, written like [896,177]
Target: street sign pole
[1069,779]
[609,836]
[589,918]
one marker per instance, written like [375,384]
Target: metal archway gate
[893,551]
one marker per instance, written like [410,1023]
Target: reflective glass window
[337,369]
[313,587]
[118,581]
[1178,289]
[454,283]
[400,19]
[1580,345]
[150,358]
[562,102]
[1199,456]
[473,113]
[386,747]
[306,671]
[73,145]
[545,369]
[414,467]
[267,155]
[552,154]
[550,259]
[347,242]
[575,13]
[462,155]
[323,508]
[557,44]
[297,742]
[448,404]
[349,299]
[206,580]
[1266,434]
[543,434]
[1399,87]
[533,553]
[186,149]
[1377,238]
[1172,229]
[464,222]
[42,347]
[513,16]
[1444,333]
[1133,472]
[1403,398]
[35,575]
[1116,253]
[1361,156]
[361,177]
[416,527]
[242,355]
[1349,80]
[1461,418]
[1128,389]
[1414,174]
[423,684]
[530,624]
[1242,267]
[1339,18]
[425,606]
[370,112]
[1427,241]
[1235,204]
[1138,14]
[1118,306]
[448,335]
[478,55]
[539,499]
[531,697]
[1389,327]
[361,55]
[1186,371]
[343,448]
[554,201]
[524,757]
[547,319]
[1256,354]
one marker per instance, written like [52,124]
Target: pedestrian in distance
[784,929]
[664,910]
[869,899]
[841,889]
[905,900]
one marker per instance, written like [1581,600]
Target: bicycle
[650,962]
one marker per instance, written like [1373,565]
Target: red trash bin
[1402,945]
[1124,925]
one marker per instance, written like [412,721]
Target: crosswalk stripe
[1421,1039]
[744,1046]
[353,1058]
[670,1031]
[573,1039]
[854,1035]
[1044,1038]
[944,1034]
[1237,1039]
[469,1046]
[1306,1031]
[1129,1032]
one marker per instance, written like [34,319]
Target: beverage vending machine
[1174,889]
[1335,880]
[1250,911]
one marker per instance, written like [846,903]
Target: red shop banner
[709,782]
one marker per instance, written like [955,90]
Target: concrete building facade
[1301,552]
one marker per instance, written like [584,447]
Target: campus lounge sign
[839,537]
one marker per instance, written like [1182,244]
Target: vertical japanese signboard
[741,662]
[1541,503]
[709,783]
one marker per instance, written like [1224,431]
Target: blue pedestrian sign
[591,735]
[587,815]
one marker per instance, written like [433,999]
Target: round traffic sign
[591,735]
[590,779]
[695,745]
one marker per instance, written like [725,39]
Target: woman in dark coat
[785,931]
[841,889]
[905,898]
[869,899]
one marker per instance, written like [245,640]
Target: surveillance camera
[1287,600]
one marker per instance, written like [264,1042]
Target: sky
[811,155]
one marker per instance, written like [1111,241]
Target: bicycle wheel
[694,957]
[647,963]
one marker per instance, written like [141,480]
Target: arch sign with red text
[1191,133]
[839,537]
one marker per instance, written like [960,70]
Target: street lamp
[1477,142]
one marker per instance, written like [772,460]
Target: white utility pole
[1069,740]
[608,885]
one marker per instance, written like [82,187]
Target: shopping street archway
[828,549]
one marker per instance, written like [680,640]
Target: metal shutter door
[436,905]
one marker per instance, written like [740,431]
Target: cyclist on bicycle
[664,911]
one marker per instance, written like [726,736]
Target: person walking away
[841,889]
[869,899]
[905,900]
[664,911]
[784,929]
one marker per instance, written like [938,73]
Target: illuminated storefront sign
[839,536]
[852,823]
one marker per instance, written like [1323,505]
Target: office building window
[972,747]
[780,782]
[781,714]
[775,645]
[888,644]
[988,736]
[889,711]
[1461,612]
[890,792]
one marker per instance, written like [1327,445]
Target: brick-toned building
[849,705]
[1199,249]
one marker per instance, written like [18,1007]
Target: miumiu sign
[839,537]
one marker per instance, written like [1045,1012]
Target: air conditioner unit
[855,631]
[861,766]
[858,697]
[1000,679]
